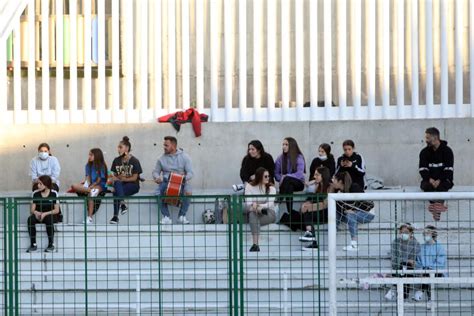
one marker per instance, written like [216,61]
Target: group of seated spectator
[259,173]
[408,254]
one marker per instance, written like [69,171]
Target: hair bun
[126,139]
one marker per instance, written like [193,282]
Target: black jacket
[329,163]
[437,164]
[357,171]
[250,165]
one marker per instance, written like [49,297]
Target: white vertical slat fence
[237,60]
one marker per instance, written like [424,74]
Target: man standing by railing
[436,169]
[174,161]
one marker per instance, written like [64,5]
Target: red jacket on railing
[190,115]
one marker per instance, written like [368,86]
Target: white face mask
[428,238]
[405,237]
[323,157]
[43,155]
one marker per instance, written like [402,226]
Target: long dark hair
[324,185]
[259,173]
[126,142]
[258,146]
[99,161]
[47,181]
[327,149]
[293,152]
[345,177]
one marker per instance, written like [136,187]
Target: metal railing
[114,63]
[143,267]
[378,278]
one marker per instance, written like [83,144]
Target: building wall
[390,147]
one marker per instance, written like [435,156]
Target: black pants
[314,218]
[444,186]
[289,186]
[406,287]
[427,287]
[49,221]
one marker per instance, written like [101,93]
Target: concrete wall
[390,147]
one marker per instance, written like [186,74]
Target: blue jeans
[122,189]
[184,201]
[353,219]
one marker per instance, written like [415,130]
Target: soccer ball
[208,216]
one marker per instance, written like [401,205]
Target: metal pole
[332,254]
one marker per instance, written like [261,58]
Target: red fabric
[190,115]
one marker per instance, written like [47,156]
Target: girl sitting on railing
[315,210]
[404,251]
[432,256]
[350,212]
[259,211]
[95,181]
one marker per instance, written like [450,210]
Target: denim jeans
[353,219]
[185,202]
[122,189]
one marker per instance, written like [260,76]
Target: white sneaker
[183,220]
[88,220]
[390,295]
[237,187]
[352,247]
[166,221]
[94,192]
[429,305]
[418,296]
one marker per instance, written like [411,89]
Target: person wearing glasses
[259,211]
[126,170]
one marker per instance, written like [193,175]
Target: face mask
[428,238]
[43,155]
[405,237]
[323,157]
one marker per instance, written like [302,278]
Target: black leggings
[314,218]
[49,221]
[444,186]
[289,186]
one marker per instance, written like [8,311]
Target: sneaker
[166,221]
[254,248]
[32,248]
[390,295]
[114,220]
[308,236]
[418,296]
[88,220]
[94,192]
[313,246]
[183,220]
[429,305]
[50,248]
[124,208]
[351,247]
[237,187]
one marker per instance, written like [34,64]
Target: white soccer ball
[208,216]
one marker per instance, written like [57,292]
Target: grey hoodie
[178,162]
[402,251]
[49,167]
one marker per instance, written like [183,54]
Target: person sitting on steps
[126,170]
[176,161]
[259,211]
[436,169]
